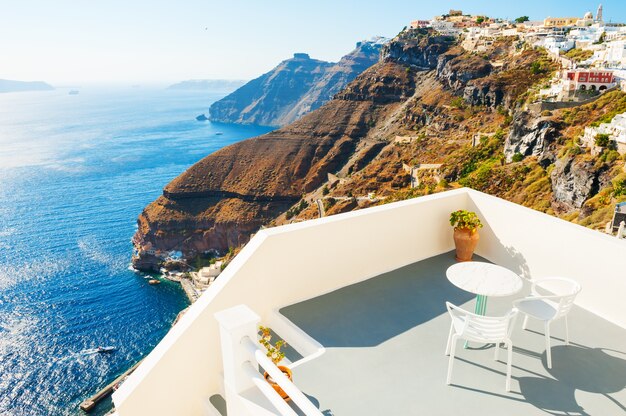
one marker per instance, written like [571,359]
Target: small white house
[616,130]
[207,275]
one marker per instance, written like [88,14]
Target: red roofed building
[415,24]
[588,79]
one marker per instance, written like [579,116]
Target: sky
[74,42]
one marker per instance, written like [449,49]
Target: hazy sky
[137,41]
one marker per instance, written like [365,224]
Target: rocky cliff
[348,148]
[531,135]
[295,87]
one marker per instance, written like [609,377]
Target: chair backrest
[566,289]
[483,328]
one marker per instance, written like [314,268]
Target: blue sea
[75,172]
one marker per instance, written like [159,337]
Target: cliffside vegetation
[428,117]
[444,121]
[578,55]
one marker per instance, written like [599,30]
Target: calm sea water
[75,171]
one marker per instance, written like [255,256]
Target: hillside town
[586,44]
[590,50]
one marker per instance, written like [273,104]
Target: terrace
[384,342]
[361,299]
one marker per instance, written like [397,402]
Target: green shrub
[517,157]
[329,203]
[537,68]
[296,209]
[619,185]
[578,55]
[325,190]
[457,102]
[611,156]
[603,140]
[575,150]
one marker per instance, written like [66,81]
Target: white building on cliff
[616,130]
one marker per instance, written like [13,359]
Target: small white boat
[98,350]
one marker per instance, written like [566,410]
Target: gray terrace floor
[385,340]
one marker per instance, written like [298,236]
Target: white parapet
[281,266]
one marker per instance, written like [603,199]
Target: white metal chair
[478,328]
[549,308]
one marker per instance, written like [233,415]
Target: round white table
[484,279]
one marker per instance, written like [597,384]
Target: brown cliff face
[218,202]
[419,89]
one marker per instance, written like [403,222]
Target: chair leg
[566,332]
[548,350]
[508,365]
[525,325]
[495,353]
[451,361]
[449,338]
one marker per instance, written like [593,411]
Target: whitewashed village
[592,53]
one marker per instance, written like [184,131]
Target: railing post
[236,323]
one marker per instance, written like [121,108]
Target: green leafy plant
[463,219]
[296,209]
[274,352]
[578,55]
[517,157]
[457,102]
[537,68]
[329,203]
[619,185]
[522,19]
[603,140]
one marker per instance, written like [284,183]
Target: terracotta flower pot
[465,241]
[286,371]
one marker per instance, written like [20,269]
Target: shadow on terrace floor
[371,312]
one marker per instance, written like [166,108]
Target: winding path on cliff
[425,81]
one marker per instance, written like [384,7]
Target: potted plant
[466,225]
[275,354]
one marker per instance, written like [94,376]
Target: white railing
[279,377]
[241,357]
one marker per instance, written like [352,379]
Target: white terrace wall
[537,245]
[281,266]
